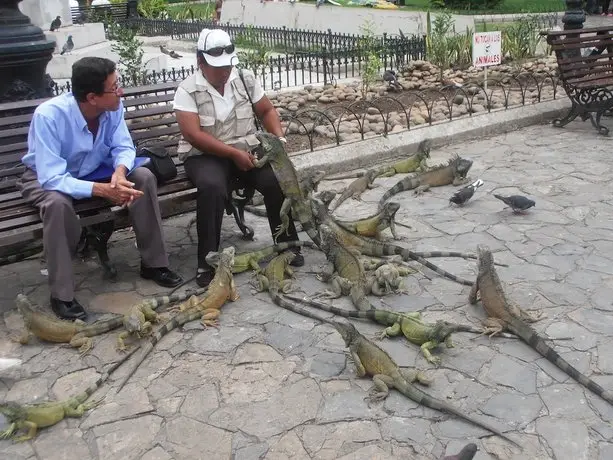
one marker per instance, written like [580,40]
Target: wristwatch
[282,139]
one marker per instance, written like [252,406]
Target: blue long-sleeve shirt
[61,148]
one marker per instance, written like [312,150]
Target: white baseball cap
[217,47]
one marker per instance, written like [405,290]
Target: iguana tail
[13,258]
[425,399]
[280,301]
[175,322]
[531,337]
[408,183]
[256,211]
[82,397]
[384,317]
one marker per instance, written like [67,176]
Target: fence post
[327,47]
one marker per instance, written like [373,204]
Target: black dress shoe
[161,275]
[204,278]
[299,259]
[69,310]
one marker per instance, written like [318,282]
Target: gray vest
[236,130]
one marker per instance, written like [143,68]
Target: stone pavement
[271,384]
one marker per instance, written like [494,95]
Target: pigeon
[55,24]
[80,19]
[390,77]
[319,2]
[68,46]
[466,193]
[164,50]
[467,453]
[175,55]
[516,202]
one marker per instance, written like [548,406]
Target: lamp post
[574,16]
[24,55]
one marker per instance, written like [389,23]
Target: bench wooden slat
[589,30]
[595,42]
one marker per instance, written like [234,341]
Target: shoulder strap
[258,126]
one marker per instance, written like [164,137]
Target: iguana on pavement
[77,333]
[32,417]
[273,277]
[139,322]
[372,360]
[375,248]
[207,308]
[373,225]
[296,199]
[250,260]
[309,183]
[356,188]
[427,335]
[504,314]
[454,172]
[416,162]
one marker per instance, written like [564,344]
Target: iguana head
[461,165]
[224,258]
[371,174]
[12,412]
[485,256]
[326,196]
[271,145]
[442,330]
[423,149]
[316,178]
[390,209]
[347,331]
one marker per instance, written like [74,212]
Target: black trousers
[212,176]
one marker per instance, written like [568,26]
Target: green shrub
[471,4]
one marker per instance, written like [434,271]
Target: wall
[340,20]
[42,12]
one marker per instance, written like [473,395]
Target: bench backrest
[149,115]
[578,70]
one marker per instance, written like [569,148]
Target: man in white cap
[214,112]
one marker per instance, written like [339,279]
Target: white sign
[487,48]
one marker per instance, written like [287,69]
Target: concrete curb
[364,153]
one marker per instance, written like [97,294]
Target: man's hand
[125,189]
[243,160]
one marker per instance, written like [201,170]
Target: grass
[509,6]
[201,10]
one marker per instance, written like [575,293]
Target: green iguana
[139,322]
[373,225]
[296,199]
[454,172]
[32,417]
[77,333]
[410,325]
[372,360]
[375,248]
[356,188]
[416,162]
[273,277]
[504,314]
[250,260]
[310,182]
[207,308]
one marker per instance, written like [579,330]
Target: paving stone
[506,371]
[328,364]
[568,439]
[345,406]
[289,446]
[131,401]
[114,302]
[64,444]
[371,452]
[127,439]
[605,451]
[157,453]
[287,340]
[200,402]
[186,437]
[409,430]
[255,353]
[251,383]
[247,447]
[518,410]
[325,441]
[222,341]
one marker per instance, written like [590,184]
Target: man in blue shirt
[71,136]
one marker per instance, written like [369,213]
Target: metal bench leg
[573,113]
[596,123]
[97,236]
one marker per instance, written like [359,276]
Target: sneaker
[299,259]
[204,277]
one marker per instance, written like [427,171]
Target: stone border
[364,153]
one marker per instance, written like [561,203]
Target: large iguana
[308,183]
[375,248]
[504,314]
[372,360]
[416,162]
[250,260]
[410,325]
[77,333]
[356,188]
[207,307]
[296,199]
[454,172]
[31,417]
[139,322]
[273,278]
[374,224]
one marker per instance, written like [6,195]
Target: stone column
[24,55]
[574,17]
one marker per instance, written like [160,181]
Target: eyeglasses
[114,90]
[218,51]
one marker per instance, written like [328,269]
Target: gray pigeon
[55,24]
[175,55]
[164,50]
[319,2]
[464,194]
[467,453]
[390,77]
[516,202]
[68,46]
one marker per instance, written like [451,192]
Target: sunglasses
[218,51]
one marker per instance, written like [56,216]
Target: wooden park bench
[151,122]
[585,65]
